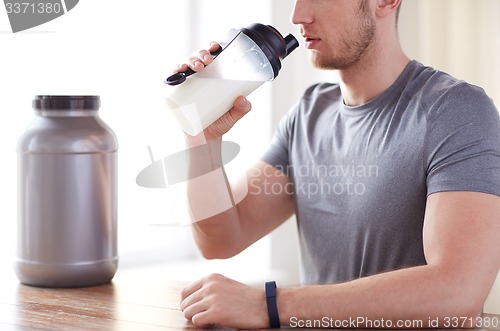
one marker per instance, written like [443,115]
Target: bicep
[265,199]
[461,231]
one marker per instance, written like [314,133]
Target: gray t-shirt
[361,175]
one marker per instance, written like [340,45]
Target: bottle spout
[291,44]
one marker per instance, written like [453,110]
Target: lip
[311,42]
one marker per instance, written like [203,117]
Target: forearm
[213,209]
[419,293]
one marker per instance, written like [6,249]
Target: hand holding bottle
[197,62]
[208,88]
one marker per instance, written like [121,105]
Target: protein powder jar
[67,195]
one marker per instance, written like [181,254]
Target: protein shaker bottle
[248,58]
[67,199]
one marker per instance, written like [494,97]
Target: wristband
[272,307]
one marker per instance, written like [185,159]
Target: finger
[202,55]
[240,108]
[199,59]
[213,46]
[195,64]
[181,68]
[191,288]
[224,123]
[195,309]
[192,299]
[202,319]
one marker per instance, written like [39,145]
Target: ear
[386,7]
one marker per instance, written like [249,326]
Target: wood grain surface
[144,302]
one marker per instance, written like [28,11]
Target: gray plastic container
[67,195]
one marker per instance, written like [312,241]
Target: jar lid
[67,102]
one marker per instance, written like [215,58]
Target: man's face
[337,32]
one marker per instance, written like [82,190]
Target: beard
[353,44]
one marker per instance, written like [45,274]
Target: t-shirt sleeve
[463,143]
[277,154]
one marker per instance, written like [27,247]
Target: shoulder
[310,106]
[436,92]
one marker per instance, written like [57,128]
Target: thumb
[240,108]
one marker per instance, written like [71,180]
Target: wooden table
[144,302]
[124,304]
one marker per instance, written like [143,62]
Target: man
[396,177]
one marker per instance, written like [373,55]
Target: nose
[301,13]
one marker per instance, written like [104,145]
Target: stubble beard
[352,46]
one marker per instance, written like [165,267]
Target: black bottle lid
[272,43]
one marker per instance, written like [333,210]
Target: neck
[375,72]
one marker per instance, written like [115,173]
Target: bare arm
[257,213]
[228,218]
[461,231]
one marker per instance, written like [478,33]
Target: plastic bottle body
[249,57]
[67,200]
[199,102]
[205,96]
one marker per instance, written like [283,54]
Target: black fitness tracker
[272,307]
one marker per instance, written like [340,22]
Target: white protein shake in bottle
[201,101]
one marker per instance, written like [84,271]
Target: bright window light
[122,51]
